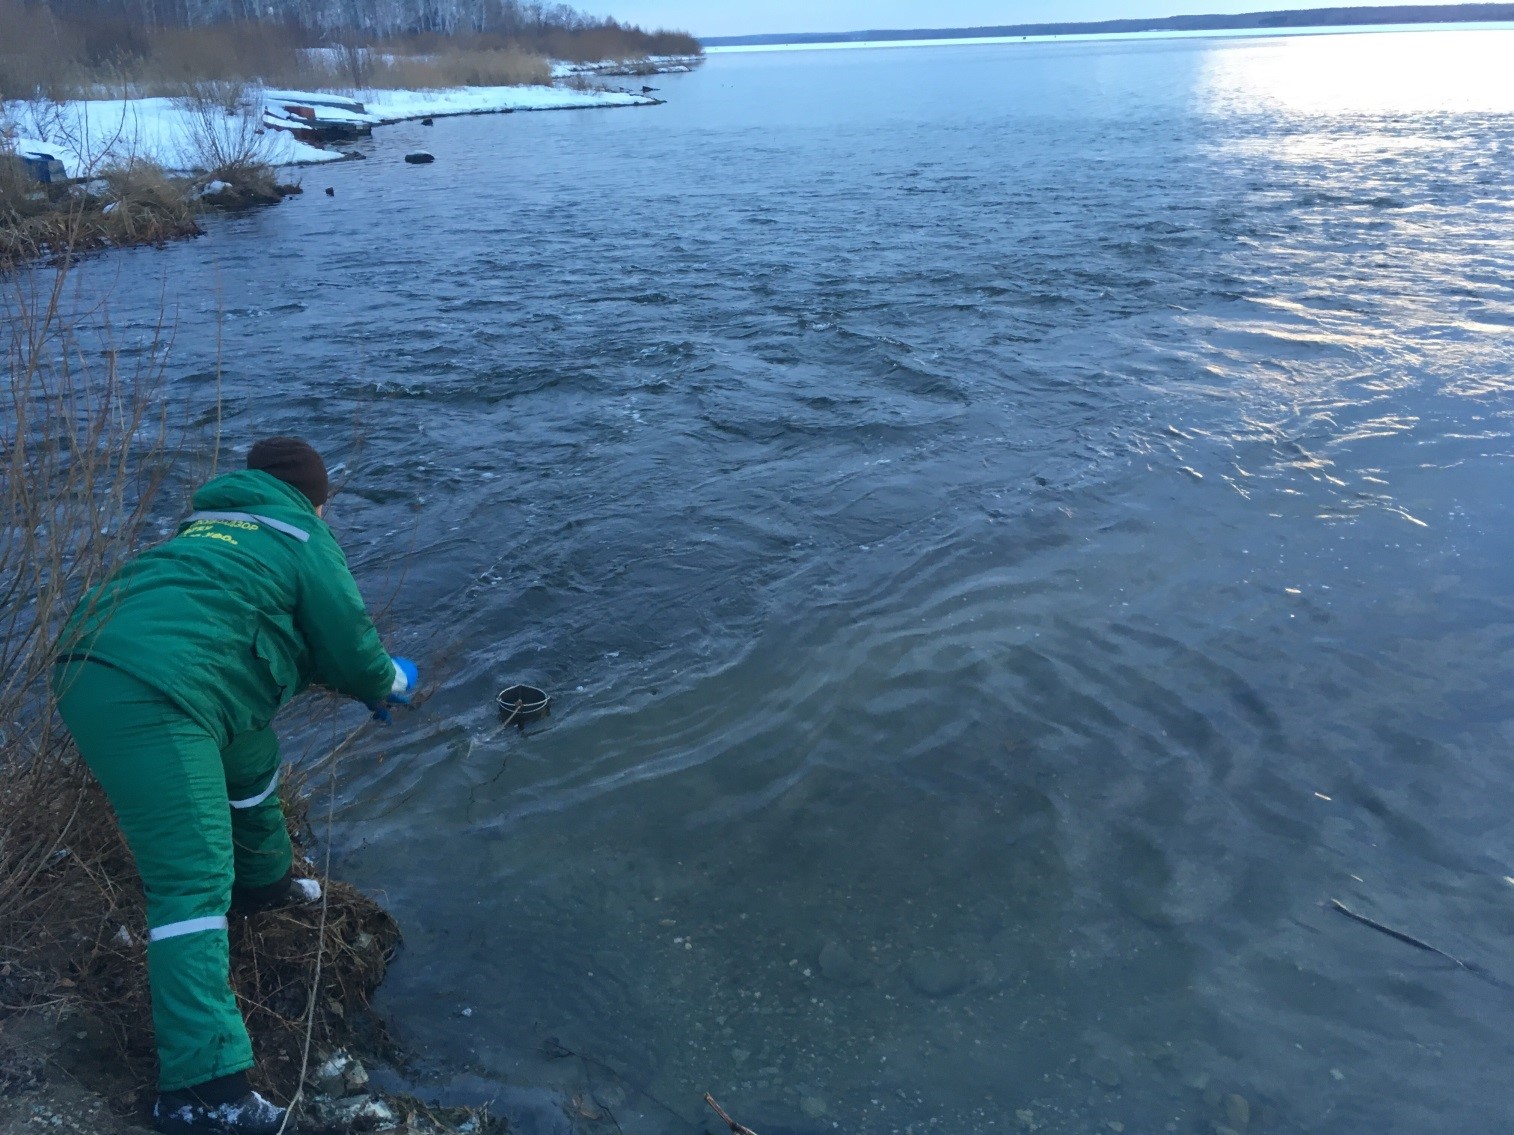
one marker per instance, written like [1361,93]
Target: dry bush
[82,447]
[230,96]
[141,205]
[145,206]
[145,187]
[353,64]
[224,130]
[506,67]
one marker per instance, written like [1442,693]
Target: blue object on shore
[44,169]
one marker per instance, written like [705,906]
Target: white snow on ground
[396,106]
[665,64]
[88,137]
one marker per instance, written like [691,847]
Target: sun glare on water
[1404,73]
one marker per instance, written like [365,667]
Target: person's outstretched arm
[346,652]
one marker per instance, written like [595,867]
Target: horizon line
[1272,19]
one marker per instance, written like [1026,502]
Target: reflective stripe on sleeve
[254,801]
[188,926]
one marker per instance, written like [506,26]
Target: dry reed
[506,67]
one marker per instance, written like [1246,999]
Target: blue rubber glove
[405,669]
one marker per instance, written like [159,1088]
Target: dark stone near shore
[243,194]
[427,122]
[420,158]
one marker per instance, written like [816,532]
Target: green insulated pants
[197,818]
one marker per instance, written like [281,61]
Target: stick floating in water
[736,1128]
[1409,939]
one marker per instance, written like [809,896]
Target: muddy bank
[42,1057]
[132,188]
[76,1042]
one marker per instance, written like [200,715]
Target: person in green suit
[169,676]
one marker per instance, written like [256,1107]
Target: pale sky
[753,17]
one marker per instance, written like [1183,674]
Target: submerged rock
[1103,1072]
[420,158]
[936,975]
[1237,1112]
[837,965]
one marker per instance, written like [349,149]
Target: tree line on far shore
[71,46]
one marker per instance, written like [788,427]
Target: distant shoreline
[1110,37]
[1319,20]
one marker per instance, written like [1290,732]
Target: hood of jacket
[252,490]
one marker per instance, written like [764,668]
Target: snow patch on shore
[397,106]
[91,136]
[88,137]
[650,65]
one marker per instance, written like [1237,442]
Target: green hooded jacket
[235,615]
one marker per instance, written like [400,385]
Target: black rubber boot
[226,1105]
[288,891]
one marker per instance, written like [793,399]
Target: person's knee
[251,756]
[191,895]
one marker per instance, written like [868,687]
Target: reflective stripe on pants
[188,926]
[169,781]
[254,801]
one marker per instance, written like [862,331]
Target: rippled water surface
[1012,531]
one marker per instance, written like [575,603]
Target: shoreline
[90,136]
[90,149]
[77,1055]
[473,112]
[1106,37]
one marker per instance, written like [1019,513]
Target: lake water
[1011,531]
